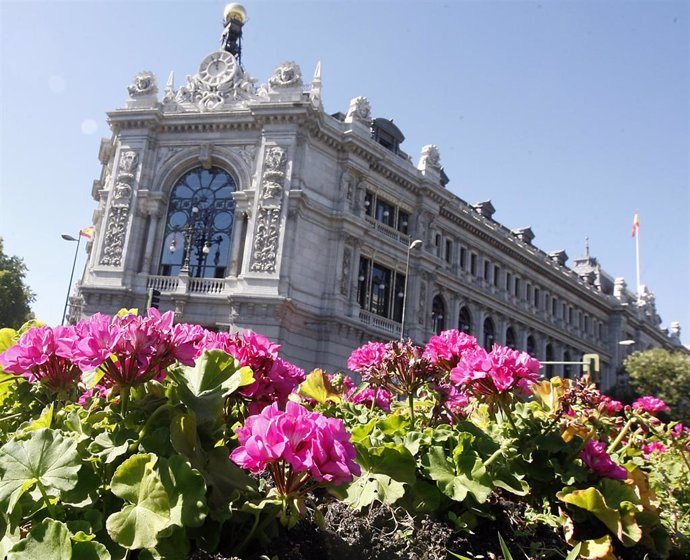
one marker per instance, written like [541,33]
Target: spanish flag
[87,232]
[636,224]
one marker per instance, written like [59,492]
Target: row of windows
[493,275]
[386,212]
[487,336]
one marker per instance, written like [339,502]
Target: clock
[217,68]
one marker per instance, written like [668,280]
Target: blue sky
[568,115]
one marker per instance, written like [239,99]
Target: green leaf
[456,483]
[390,459]
[504,548]
[317,386]
[109,446]
[148,509]
[185,439]
[45,458]
[91,550]
[590,499]
[8,338]
[49,540]
[204,386]
[371,487]
[573,554]
[186,491]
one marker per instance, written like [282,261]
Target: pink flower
[650,404]
[311,444]
[609,406]
[496,372]
[379,396]
[648,449]
[274,378]
[42,355]
[366,357]
[98,391]
[446,349]
[595,457]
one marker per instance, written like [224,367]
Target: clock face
[217,68]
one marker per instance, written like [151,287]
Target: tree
[15,296]
[665,375]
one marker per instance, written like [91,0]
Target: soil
[385,533]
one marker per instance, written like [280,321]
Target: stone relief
[346,185]
[430,158]
[246,153]
[266,240]
[359,110]
[345,277]
[144,84]
[116,226]
[275,162]
[288,74]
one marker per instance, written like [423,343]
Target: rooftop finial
[234,17]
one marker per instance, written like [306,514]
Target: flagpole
[637,255]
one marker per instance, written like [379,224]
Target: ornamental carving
[430,158]
[199,94]
[275,163]
[359,110]
[144,84]
[266,240]
[288,74]
[345,277]
[247,154]
[116,226]
[115,237]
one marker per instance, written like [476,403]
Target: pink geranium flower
[594,455]
[366,357]
[651,405]
[446,349]
[43,355]
[648,449]
[379,397]
[497,372]
[312,445]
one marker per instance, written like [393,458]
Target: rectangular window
[385,213]
[473,264]
[380,290]
[369,203]
[497,272]
[463,258]
[403,222]
[516,293]
[554,307]
[487,270]
[536,297]
[449,250]
[509,279]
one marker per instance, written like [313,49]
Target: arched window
[438,314]
[549,358]
[465,320]
[198,228]
[531,346]
[489,334]
[511,339]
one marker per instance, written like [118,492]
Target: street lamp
[67,237]
[198,235]
[416,243]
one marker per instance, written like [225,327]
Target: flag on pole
[636,224]
[87,232]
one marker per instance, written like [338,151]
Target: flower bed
[136,437]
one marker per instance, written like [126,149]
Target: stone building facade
[250,207]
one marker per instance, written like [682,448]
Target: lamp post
[416,243]
[198,236]
[67,237]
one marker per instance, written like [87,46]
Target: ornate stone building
[250,207]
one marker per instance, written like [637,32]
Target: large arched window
[489,334]
[438,314]
[531,346]
[198,229]
[465,320]
[511,339]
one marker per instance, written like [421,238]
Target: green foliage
[665,375]
[15,296]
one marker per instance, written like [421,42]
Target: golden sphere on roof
[235,11]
